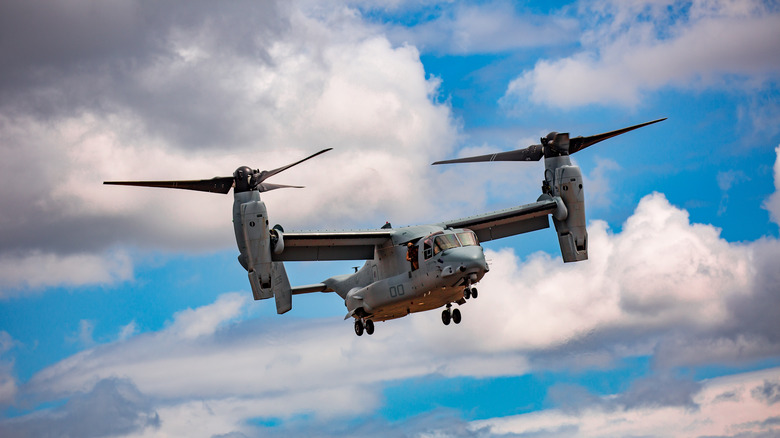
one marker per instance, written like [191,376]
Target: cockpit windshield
[439,242]
[444,242]
[468,238]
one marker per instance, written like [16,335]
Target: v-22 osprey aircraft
[410,269]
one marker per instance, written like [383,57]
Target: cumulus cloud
[715,416]
[113,407]
[659,272]
[36,269]
[662,287]
[636,47]
[148,92]
[193,323]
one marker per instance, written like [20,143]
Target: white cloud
[203,321]
[727,406]
[36,270]
[127,331]
[662,287]
[86,328]
[660,272]
[489,27]
[197,101]
[728,178]
[773,203]
[600,193]
[636,47]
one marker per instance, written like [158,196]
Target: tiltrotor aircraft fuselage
[409,269]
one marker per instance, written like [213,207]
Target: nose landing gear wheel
[359,327]
[446,316]
[456,316]
[474,293]
[467,294]
[369,327]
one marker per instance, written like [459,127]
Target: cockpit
[444,240]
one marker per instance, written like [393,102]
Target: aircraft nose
[467,258]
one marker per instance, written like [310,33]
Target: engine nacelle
[267,278]
[564,182]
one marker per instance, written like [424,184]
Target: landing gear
[359,327]
[448,315]
[456,316]
[474,293]
[470,292]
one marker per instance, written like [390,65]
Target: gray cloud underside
[113,407]
[156,91]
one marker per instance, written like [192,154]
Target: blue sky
[123,311]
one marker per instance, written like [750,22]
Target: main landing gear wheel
[359,327]
[449,314]
[369,327]
[446,316]
[456,316]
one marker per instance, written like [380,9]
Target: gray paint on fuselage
[387,287]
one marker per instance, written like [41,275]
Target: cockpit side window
[445,242]
[468,238]
[428,248]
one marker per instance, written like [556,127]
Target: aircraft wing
[507,222]
[331,245]
[311,288]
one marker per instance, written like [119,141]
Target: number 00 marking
[396,291]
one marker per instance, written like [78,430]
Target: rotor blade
[269,173]
[579,143]
[264,187]
[214,185]
[531,153]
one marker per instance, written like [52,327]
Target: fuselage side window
[445,242]
[468,238]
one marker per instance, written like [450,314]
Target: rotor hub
[243,178]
